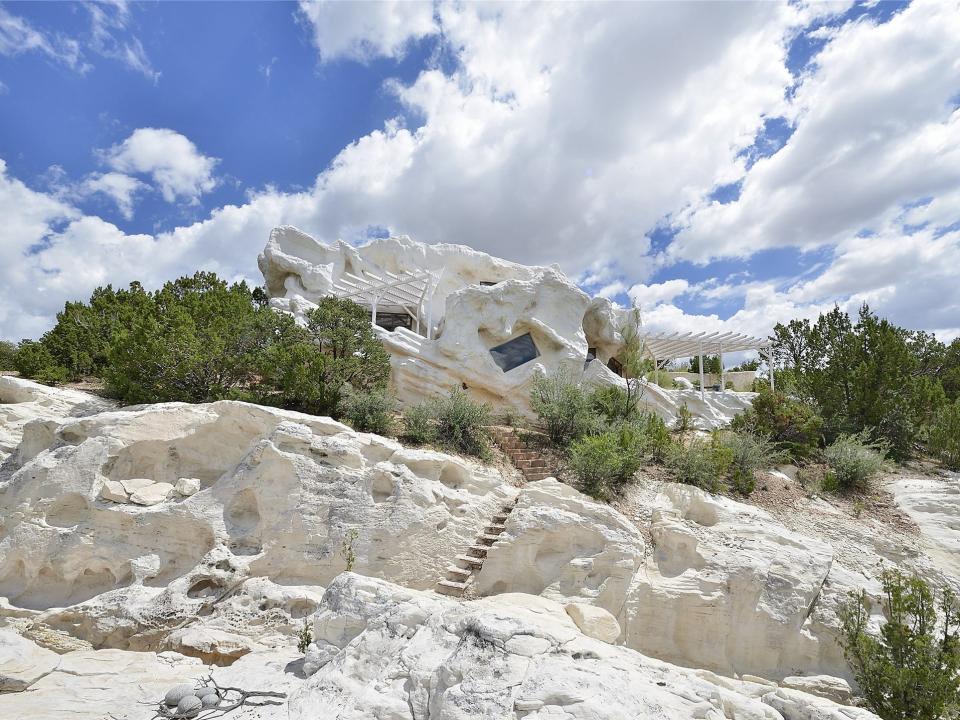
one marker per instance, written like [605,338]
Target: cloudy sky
[722,164]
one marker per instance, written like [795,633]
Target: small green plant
[562,407]
[304,637]
[749,453]
[455,423]
[909,672]
[858,508]
[417,424]
[855,460]
[461,424]
[346,548]
[369,411]
[944,435]
[604,462]
[684,421]
[702,463]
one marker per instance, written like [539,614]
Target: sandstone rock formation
[245,543]
[475,303]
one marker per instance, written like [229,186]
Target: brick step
[495,529]
[459,571]
[500,518]
[474,561]
[479,549]
[449,587]
[534,476]
[530,464]
[488,537]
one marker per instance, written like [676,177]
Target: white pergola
[408,291]
[667,347]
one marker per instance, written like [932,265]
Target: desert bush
[8,355]
[909,672]
[461,424]
[369,411]
[602,463]
[34,361]
[702,463]
[417,425]
[562,407]
[792,425]
[944,435]
[684,421]
[854,460]
[749,453]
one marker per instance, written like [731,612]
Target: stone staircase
[525,457]
[471,559]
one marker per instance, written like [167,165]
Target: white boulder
[594,621]
[152,494]
[188,486]
[22,662]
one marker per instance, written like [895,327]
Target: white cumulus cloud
[171,160]
[366,30]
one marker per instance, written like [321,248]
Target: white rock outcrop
[403,654]
[479,303]
[281,493]
[24,401]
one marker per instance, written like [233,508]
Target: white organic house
[452,316]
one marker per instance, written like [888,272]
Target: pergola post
[376,299]
[701,372]
[770,365]
[723,385]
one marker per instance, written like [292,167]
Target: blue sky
[724,165]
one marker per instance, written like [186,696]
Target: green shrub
[562,407]
[417,424]
[855,460]
[944,436]
[461,424]
[652,435]
[749,453]
[793,426]
[369,411]
[702,463]
[604,462]
[684,421]
[661,378]
[8,355]
[34,361]
[909,672]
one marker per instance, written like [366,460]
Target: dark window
[514,353]
[391,321]
[591,354]
[616,366]
[488,283]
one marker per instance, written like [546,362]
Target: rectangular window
[488,283]
[515,353]
[616,366]
[391,321]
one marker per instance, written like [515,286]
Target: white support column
[723,385]
[376,299]
[430,318]
[770,366]
[701,371]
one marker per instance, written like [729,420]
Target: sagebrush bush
[461,424]
[944,436]
[369,411]
[417,424]
[702,463]
[604,462]
[854,460]
[748,454]
[562,408]
[792,425]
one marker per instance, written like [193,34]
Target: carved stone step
[489,538]
[481,549]
[459,571]
[474,561]
[449,587]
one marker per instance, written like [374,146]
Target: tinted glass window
[514,353]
